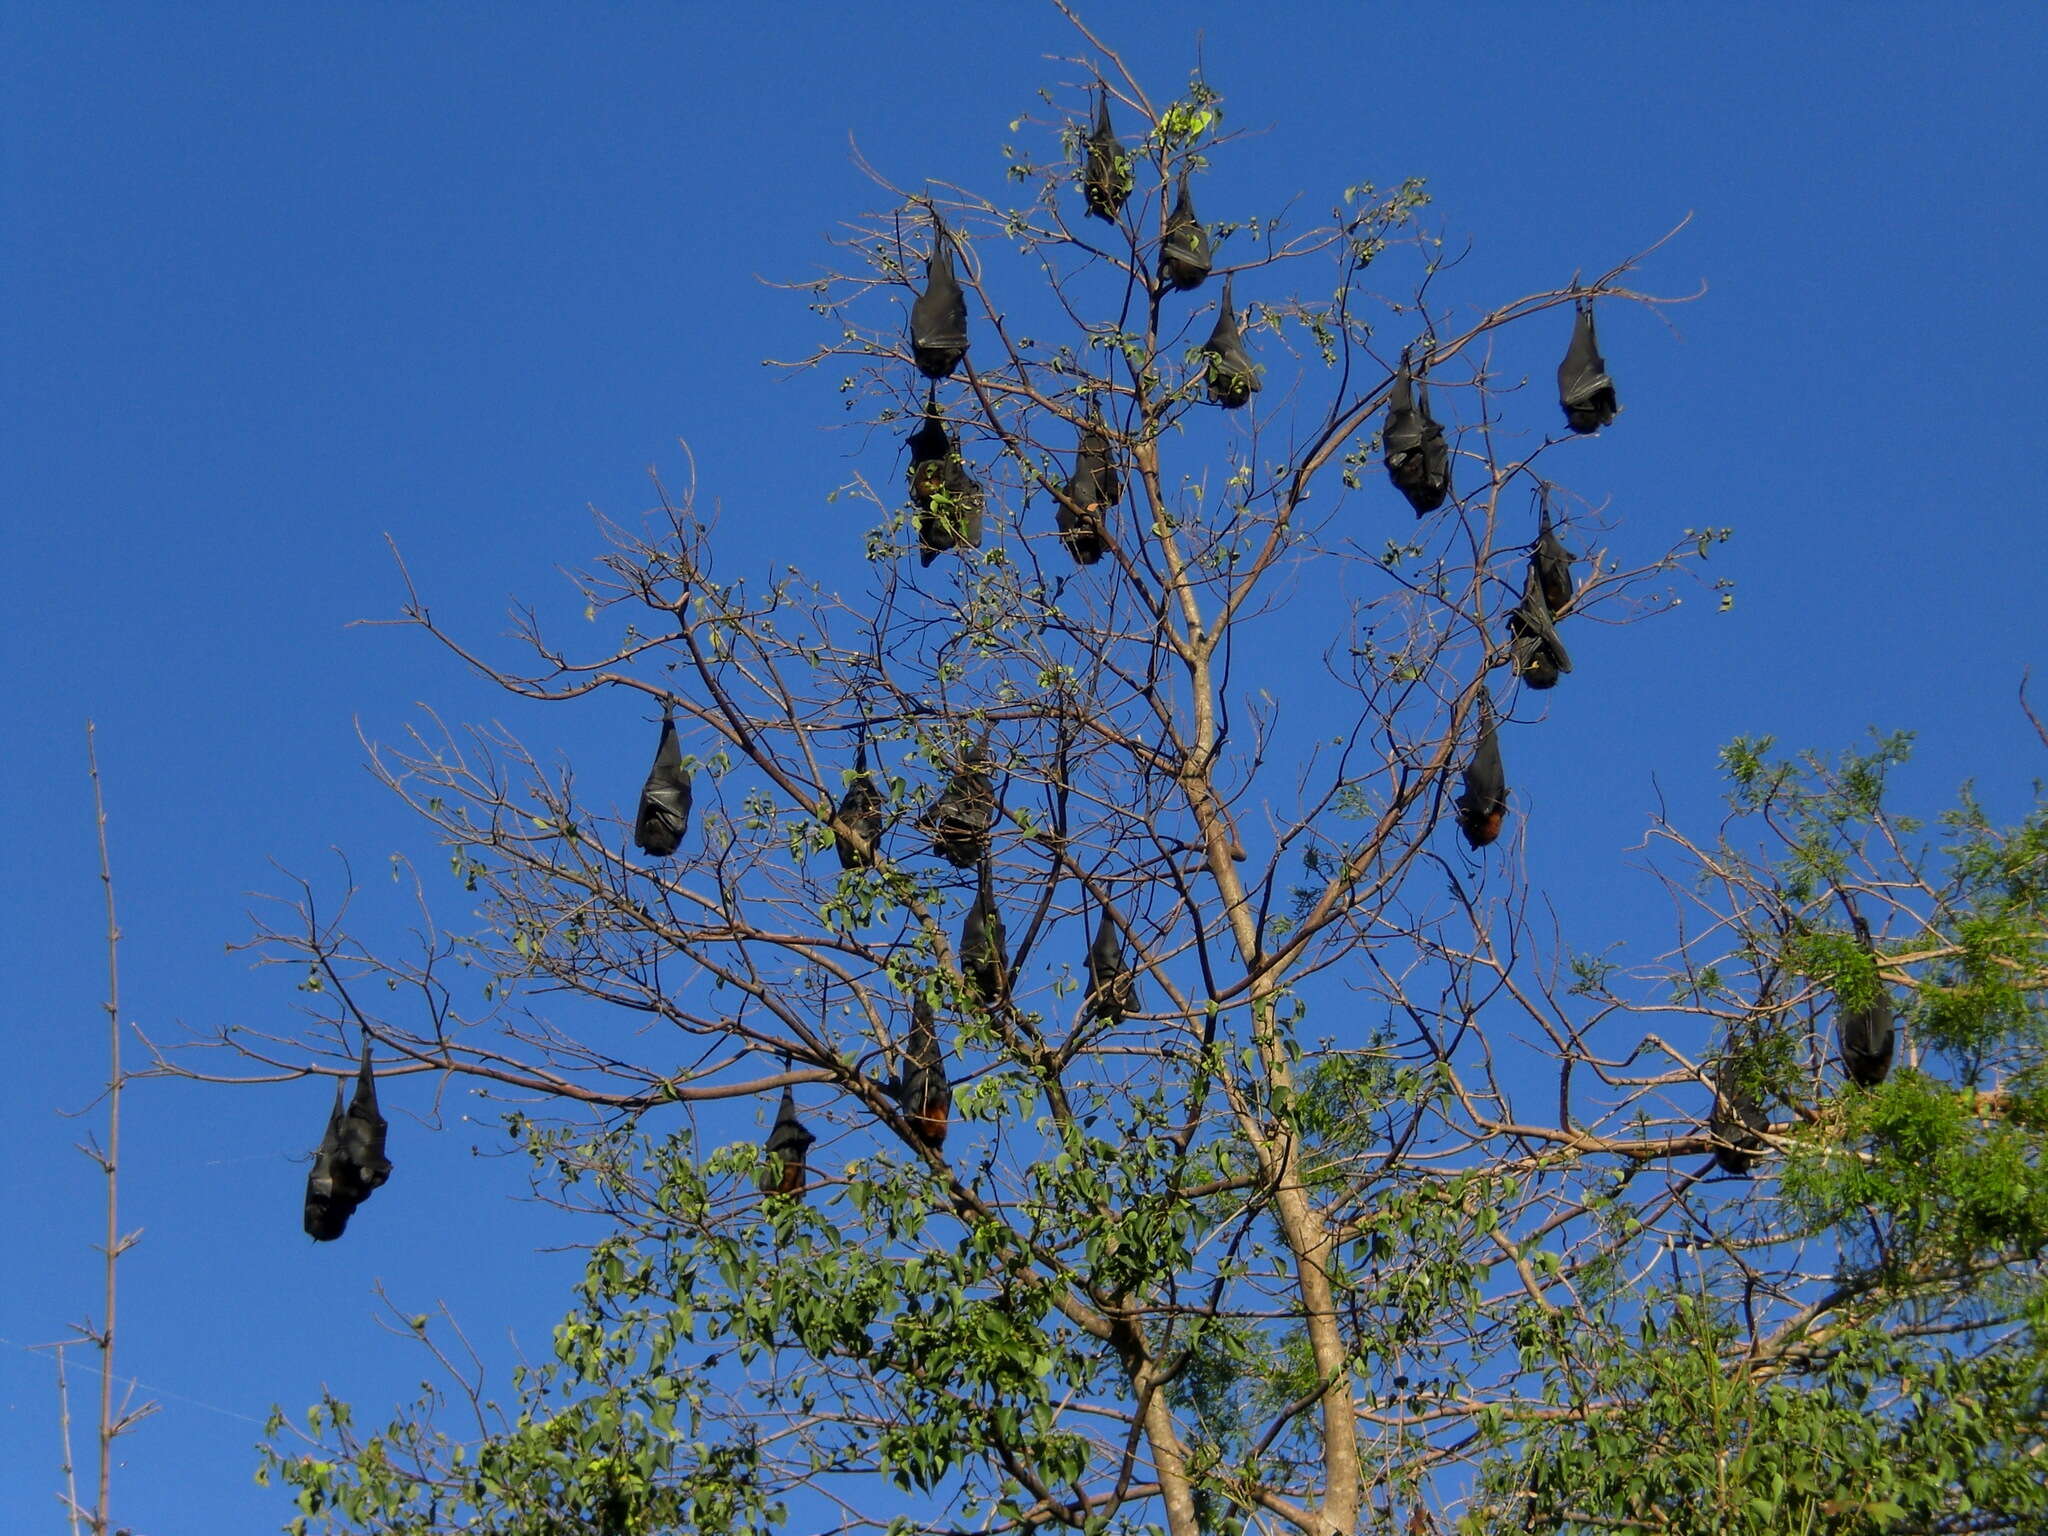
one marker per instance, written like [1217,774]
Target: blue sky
[284,280]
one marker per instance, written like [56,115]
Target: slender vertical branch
[71,1509]
[110,1157]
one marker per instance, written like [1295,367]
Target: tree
[1162,1248]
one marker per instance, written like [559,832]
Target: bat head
[1082,537]
[1536,666]
[326,1216]
[1481,826]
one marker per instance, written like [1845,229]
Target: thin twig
[70,1495]
[109,1160]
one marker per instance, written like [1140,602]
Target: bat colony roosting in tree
[1864,1035]
[1281,1127]
[949,504]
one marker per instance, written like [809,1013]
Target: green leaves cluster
[1909,1391]
[1687,1436]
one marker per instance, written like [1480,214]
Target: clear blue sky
[282,279]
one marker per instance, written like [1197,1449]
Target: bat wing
[1418,458]
[1539,656]
[331,1194]
[938,316]
[788,1144]
[664,799]
[967,503]
[1232,378]
[1112,989]
[1484,804]
[1401,407]
[1109,485]
[1106,173]
[1184,253]
[1867,1039]
[1584,388]
[1865,1033]
[1095,468]
[983,948]
[931,448]
[857,829]
[1739,1121]
[1093,488]
[922,1087]
[364,1128]
[1436,457]
[952,514]
[960,819]
[1553,566]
